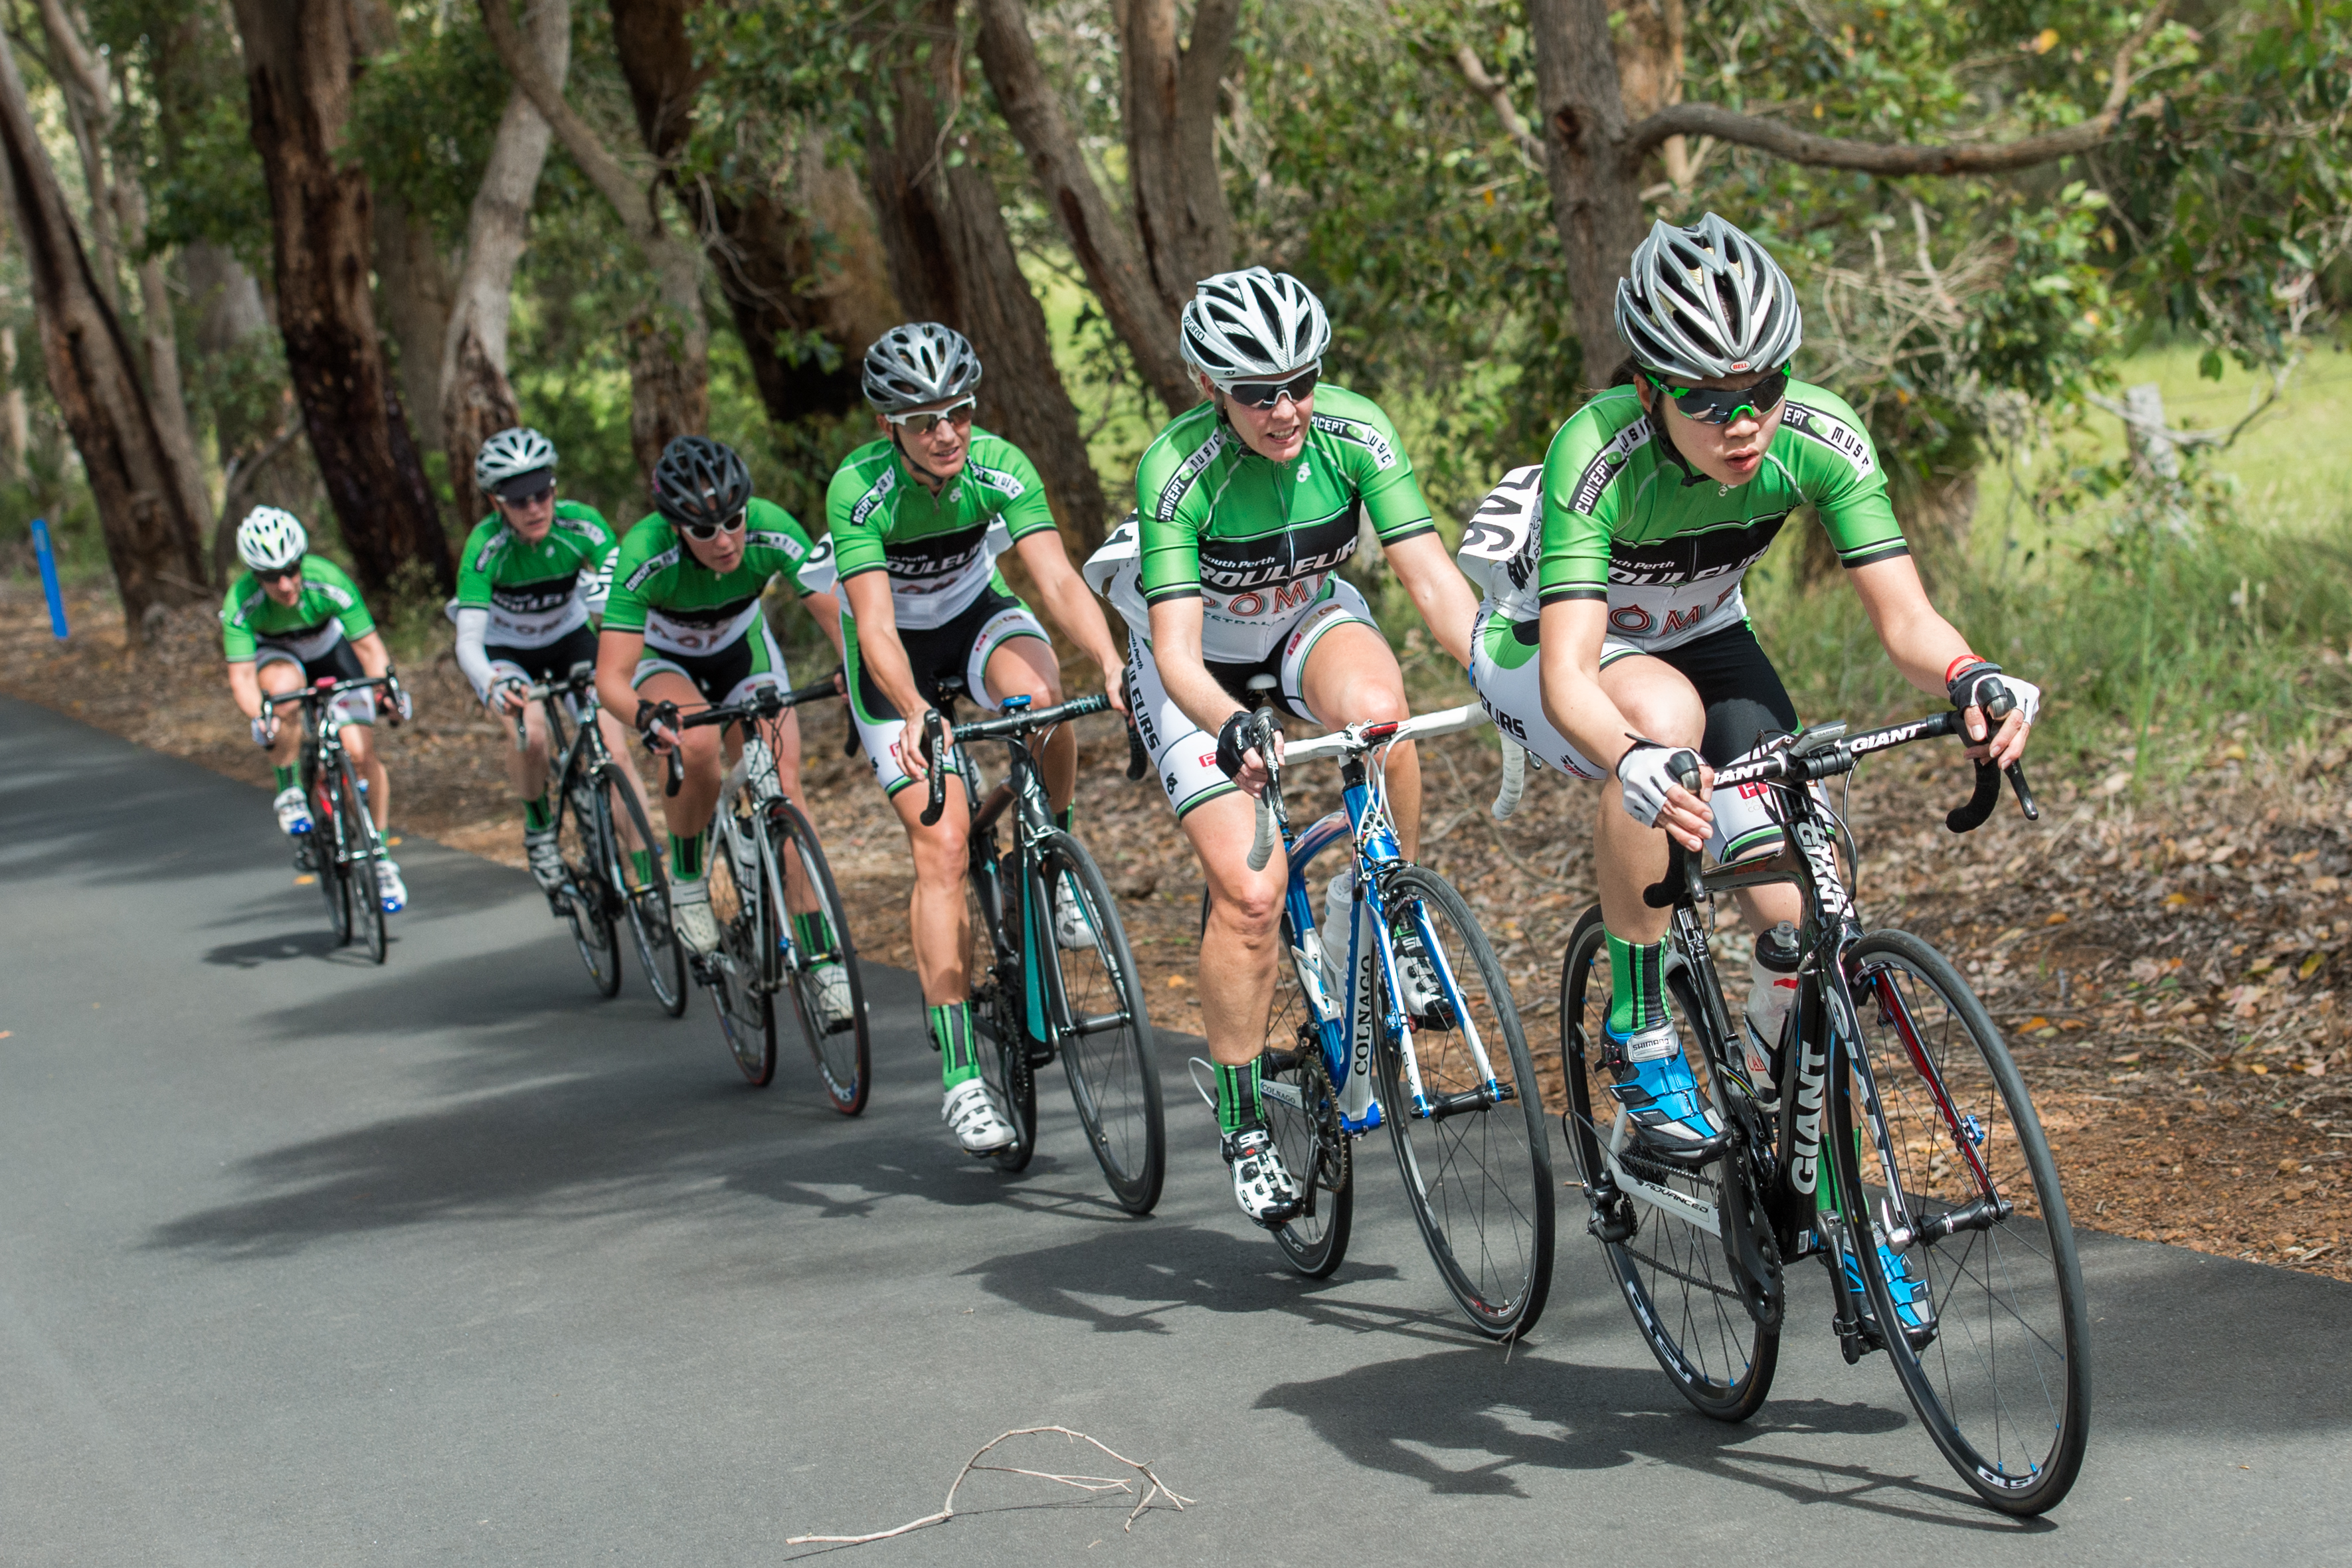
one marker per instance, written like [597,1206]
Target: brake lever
[1685,874]
[935,754]
[1139,761]
[677,770]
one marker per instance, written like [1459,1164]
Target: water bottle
[1773,991]
[1339,908]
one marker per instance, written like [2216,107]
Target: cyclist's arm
[1176,653]
[1571,635]
[884,657]
[473,655]
[1924,644]
[1072,606]
[245,687]
[827,611]
[1438,590]
[617,653]
[374,656]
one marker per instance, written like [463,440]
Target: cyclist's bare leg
[1241,945]
[624,749]
[358,742]
[278,678]
[526,763]
[1350,677]
[1024,666]
[688,812]
[937,913]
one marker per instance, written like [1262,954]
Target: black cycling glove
[1232,743]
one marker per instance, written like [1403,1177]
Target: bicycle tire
[844,1057]
[742,969]
[1113,1070]
[327,856]
[1479,1179]
[999,1021]
[2008,1367]
[1678,1285]
[590,908]
[644,898]
[364,848]
[1302,1113]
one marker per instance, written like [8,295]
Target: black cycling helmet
[700,483]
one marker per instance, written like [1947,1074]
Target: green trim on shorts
[1215,792]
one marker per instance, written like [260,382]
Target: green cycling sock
[950,1027]
[1067,818]
[641,864]
[812,932]
[1238,1106]
[284,777]
[538,815]
[685,858]
[1637,985]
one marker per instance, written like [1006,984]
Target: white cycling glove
[1646,773]
[265,728]
[1965,686]
[397,700]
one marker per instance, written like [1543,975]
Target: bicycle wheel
[590,907]
[1668,1257]
[363,848]
[327,854]
[999,1017]
[640,870]
[843,1056]
[736,971]
[1302,1113]
[1108,1055]
[1474,1152]
[2003,1385]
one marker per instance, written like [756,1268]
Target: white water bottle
[1773,991]
[1339,908]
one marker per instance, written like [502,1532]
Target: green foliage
[423,116]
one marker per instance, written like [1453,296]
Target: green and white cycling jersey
[682,606]
[329,610]
[1254,540]
[536,594]
[1615,513]
[940,550]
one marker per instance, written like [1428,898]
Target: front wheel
[639,870]
[1000,1014]
[1107,1051]
[1466,1117]
[1962,1189]
[363,847]
[1661,1225]
[740,971]
[327,834]
[819,941]
[585,838]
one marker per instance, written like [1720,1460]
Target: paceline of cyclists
[1596,613]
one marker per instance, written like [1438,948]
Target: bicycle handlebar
[1515,778]
[326,690]
[938,737]
[582,678]
[1354,741]
[767,701]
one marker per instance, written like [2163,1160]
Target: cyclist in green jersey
[1246,506]
[1613,639]
[684,629]
[529,576]
[917,520]
[292,619]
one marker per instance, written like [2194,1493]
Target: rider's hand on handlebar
[392,702]
[265,728]
[911,748]
[1977,686]
[1648,778]
[1115,687]
[507,696]
[1239,760]
[656,724]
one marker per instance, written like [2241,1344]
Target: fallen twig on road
[1084,1483]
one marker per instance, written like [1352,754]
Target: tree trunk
[1105,244]
[1168,97]
[16,425]
[477,400]
[412,298]
[1649,47]
[1596,198]
[152,541]
[852,289]
[299,58]
[951,261]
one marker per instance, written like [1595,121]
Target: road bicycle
[1893,1127]
[343,846]
[1455,1088]
[761,847]
[613,864]
[1033,999]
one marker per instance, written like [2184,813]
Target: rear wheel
[843,1056]
[363,848]
[639,870]
[1474,1151]
[999,1016]
[582,839]
[1107,1053]
[326,854]
[1668,1259]
[1302,1113]
[738,969]
[1965,1190]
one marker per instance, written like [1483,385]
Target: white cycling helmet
[1252,324]
[270,539]
[1707,301]
[918,364]
[511,455]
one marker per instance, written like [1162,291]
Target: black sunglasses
[281,574]
[1266,394]
[1721,405]
[703,533]
[534,499]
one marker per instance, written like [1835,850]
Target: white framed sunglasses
[922,422]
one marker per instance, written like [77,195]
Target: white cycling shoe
[831,984]
[1072,929]
[971,1116]
[690,916]
[546,861]
[389,887]
[293,813]
[1262,1185]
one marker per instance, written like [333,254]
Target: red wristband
[1962,662]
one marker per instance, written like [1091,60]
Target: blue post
[48,559]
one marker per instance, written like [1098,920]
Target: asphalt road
[305,1261]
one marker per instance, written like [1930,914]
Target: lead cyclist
[1616,637]
[1247,504]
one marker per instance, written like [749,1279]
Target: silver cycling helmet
[1707,301]
[918,363]
[272,538]
[1252,324]
[513,455]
